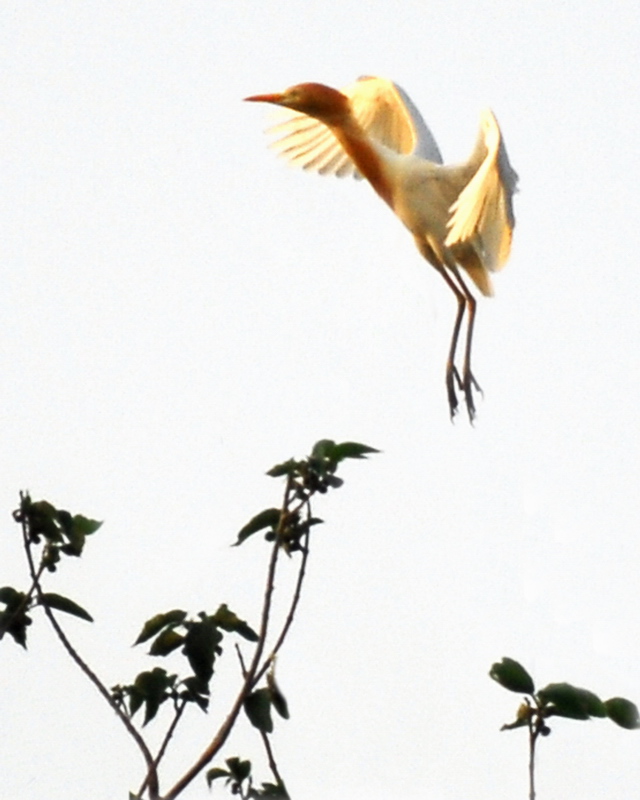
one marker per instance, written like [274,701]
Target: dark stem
[265,737]
[272,762]
[294,602]
[165,743]
[152,776]
[533,735]
[225,729]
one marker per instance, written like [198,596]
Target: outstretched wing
[382,109]
[483,213]
[387,114]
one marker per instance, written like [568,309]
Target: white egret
[460,215]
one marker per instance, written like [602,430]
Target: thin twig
[294,603]
[151,774]
[165,743]
[225,729]
[265,736]
[533,735]
[272,762]
[241,660]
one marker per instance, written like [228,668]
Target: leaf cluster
[316,473]
[559,700]
[258,704]
[63,533]
[14,618]
[49,534]
[58,533]
[237,776]
[200,640]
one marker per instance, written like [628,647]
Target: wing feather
[302,139]
[382,109]
[483,213]
[387,114]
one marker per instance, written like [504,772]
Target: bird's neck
[365,155]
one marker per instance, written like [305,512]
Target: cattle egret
[460,215]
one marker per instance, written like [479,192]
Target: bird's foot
[469,383]
[465,384]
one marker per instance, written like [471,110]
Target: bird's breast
[421,199]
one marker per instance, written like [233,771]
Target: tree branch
[294,603]
[152,776]
[225,729]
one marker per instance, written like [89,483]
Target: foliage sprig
[50,534]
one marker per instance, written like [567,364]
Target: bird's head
[314,99]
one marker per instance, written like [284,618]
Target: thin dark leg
[469,383]
[452,375]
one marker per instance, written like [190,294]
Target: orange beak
[265,98]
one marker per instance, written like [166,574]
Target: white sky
[179,311]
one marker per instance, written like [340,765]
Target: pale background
[179,311]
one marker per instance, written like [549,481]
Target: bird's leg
[469,383]
[452,375]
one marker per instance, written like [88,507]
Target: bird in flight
[460,215]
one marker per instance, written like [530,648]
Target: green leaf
[593,705]
[228,621]
[15,624]
[257,707]
[201,645]
[196,691]
[623,712]
[273,790]
[136,699]
[352,450]
[61,603]
[153,686]
[239,769]
[511,675]
[324,449]
[76,540]
[51,556]
[278,700]
[289,467]
[215,773]
[166,642]
[65,520]
[269,518]
[510,726]
[157,623]
[567,700]
[42,521]
[11,597]
[14,620]
[84,525]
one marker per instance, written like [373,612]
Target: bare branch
[294,602]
